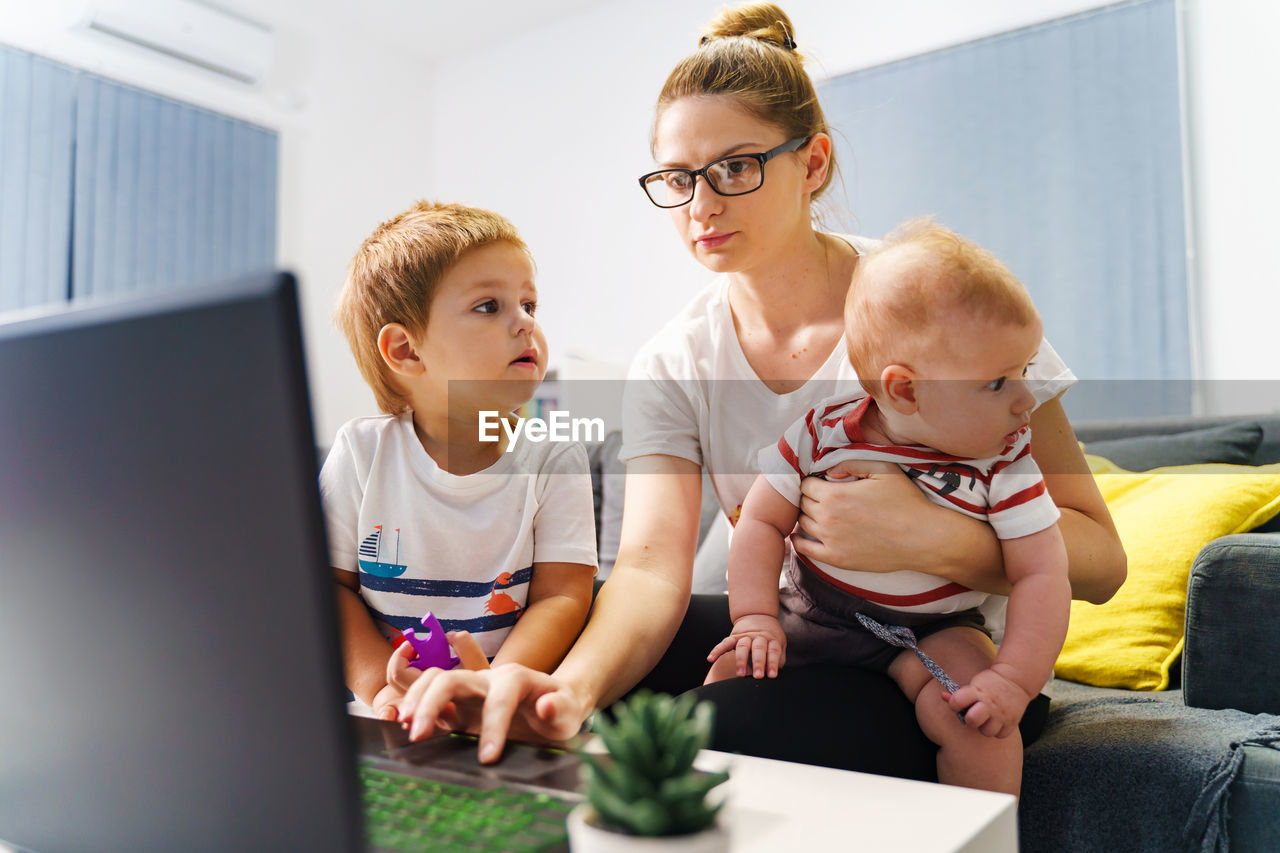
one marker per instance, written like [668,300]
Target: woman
[743,150]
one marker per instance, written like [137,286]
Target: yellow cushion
[1164,516]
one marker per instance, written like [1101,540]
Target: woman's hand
[508,699]
[869,517]
[401,676]
[883,523]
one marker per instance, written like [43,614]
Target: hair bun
[762,21]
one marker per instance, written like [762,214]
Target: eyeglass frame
[785,148]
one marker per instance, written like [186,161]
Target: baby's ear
[898,389]
[398,350]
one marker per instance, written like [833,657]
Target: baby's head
[945,316]
[436,259]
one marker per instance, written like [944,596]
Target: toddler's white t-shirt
[462,547]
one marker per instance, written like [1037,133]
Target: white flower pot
[585,836]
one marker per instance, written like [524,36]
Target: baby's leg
[965,756]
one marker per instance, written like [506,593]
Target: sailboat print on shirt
[370,556]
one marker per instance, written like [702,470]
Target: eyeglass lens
[730,176]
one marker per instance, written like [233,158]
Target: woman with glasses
[743,151]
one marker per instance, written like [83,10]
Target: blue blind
[1059,148]
[108,189]
[37,127]
[167,194]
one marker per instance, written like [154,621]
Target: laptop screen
[168,648]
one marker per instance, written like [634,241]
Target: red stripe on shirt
[917,453]
[1018,498]
[826,413]
[886,599]
[789,455]
[1005,463]
[853,420]
[813,431]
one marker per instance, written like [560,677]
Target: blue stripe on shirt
[479,625]
[441,588]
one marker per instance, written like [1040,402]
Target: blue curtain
[1059,148]
[167,194]
[109,189]
[37,131]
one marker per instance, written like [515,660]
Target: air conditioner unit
[187,30]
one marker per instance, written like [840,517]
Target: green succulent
[650,786]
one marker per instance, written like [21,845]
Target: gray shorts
[821,627]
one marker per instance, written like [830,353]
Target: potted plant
[646,792]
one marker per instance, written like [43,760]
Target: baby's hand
[759,643]
[995,703]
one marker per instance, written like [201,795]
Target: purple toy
[433,649]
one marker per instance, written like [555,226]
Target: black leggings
[834,716]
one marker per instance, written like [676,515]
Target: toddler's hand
[995,703]
[759,643]
[386,704]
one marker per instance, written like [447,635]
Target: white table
[777,805]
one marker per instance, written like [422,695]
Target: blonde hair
[394,275]
[749,52]
[895,318]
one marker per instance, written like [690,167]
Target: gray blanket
[1120,771]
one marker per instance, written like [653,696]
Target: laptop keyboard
[406,813]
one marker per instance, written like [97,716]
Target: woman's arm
[1096,562]
[635,616]
[883,522]
[639,608]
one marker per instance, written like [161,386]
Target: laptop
[168,643]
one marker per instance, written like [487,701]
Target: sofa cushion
[1117,770]
[1164,517]
[1233,444]
[1232,644]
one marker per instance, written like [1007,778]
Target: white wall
[1234,137]
[551,127]
[359,151]
[575,101]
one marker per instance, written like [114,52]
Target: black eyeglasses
[737,174]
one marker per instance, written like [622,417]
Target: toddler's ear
[898,389]
[398,350]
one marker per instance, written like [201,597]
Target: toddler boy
[424,515]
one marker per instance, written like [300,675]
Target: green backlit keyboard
[411,814]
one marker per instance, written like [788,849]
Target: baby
[940,334]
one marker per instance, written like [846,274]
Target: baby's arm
[555,611]
[755,559]
[1036,625]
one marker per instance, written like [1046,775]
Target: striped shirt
[1007,491]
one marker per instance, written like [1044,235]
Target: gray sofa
[1196,767]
